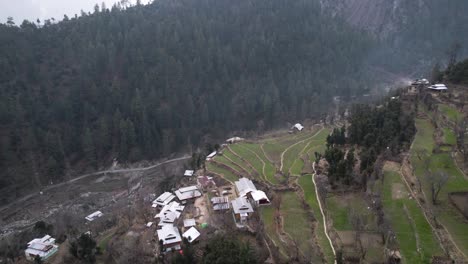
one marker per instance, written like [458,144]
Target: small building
[234,140]
[298,127]
[241,209]
[205,182]
[220,203]
[163,200]
[260,198]
[211,155]
[244,186]
[188,173]
[43,247]
[191,235]
[438,87]
[189,222]
[420,82]
[149,224]
[94,216]
[169,237]
[189,192]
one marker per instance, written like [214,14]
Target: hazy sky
[42,9]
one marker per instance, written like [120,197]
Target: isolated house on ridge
[298,127]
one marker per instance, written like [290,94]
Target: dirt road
[50,187]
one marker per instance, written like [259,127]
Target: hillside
[414,34]
[147,81]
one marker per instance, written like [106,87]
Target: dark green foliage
[376,129]
[187,256]
[224,250]
[458,73]
[337,137]
[382,127]
[41,229]
[340,166]
[84,248]
[144,82]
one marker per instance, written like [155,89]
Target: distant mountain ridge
[413,33]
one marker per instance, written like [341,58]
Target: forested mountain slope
[414,34]
[144,82]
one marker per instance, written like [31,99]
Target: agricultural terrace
[226,174]
[308,187]
[450,112]
[296,222]
[413,233]
[268,214]
[446,212]
[449,136]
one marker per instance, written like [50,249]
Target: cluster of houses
[438,87]
[172,204]
[170,211]
[45,247]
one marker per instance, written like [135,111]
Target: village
[273,192]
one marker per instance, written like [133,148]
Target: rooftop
[188,173]
[242,206]
[169,234]
[191,234]
[164,199]
[188,193]
[94,216]
[245,186]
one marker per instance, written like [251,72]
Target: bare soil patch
[399,191]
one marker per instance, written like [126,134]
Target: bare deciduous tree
[437,181]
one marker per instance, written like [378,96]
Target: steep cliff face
[413,33]
[382,18]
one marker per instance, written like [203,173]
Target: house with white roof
[241,209]
[94,216]
[244,186]
[191,235]
[440,87]
[211,155]
[43,247]
[190,222]
[189,192]
[298,127]
[234,140]
[163,200]
[260,198]
[188,173]
[169,237]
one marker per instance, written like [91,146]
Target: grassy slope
[296,222]
[223,160]
[237,160]
[268,217]
[269,172]
[447,214]
[449,136]
[451,113]
[250,157]
[404,229]
[309,194]
[221,171]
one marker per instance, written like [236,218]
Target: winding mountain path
[325,228]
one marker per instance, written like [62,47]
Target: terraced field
[226,174]
[296,222]
[414,234]
[446,213]
[307,185]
